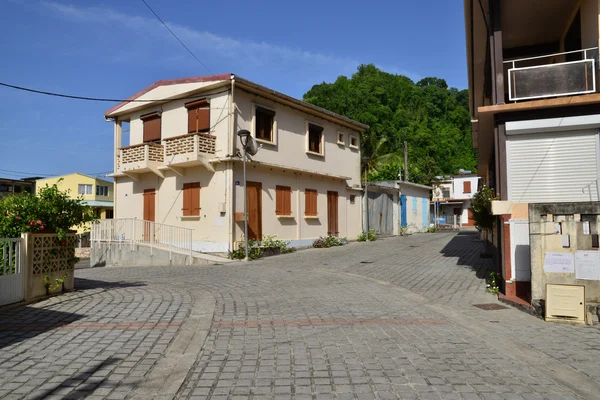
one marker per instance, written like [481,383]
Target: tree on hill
[431,117]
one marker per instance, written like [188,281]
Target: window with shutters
[264,125]
[283,200]
[198,116]
[310,203]
[191,199]
[315,139]
[151,127]
[467,187]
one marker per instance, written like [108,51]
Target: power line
[68,96]
[175,36]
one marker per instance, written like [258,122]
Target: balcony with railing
[140,158]
[561,74]
[189,150]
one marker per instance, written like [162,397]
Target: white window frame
[343,141]
[322,153]
[85,187]
[274,133]
[357,142]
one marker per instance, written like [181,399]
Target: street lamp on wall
[244,136]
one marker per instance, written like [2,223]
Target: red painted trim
[166,82]
[506,247]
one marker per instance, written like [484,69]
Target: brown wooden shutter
[283,200]
[191,199]
[310,202]
[192,120]
[151,127]
[467,187]
[198,116]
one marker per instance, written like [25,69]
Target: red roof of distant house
[166,82]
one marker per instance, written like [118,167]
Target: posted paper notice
[587,265]
[559,262]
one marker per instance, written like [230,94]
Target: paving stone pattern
[379,320]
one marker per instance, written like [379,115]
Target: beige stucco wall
[210,230]
[298,227]
[414,218]
[291,140]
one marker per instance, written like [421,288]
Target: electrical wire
[175,36]
[68,96]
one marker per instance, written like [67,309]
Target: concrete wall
[543,237]
[131,255]
[298,229]
[414,215]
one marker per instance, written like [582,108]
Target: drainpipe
[230,182]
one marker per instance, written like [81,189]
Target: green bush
[372,236]
[50,210]
[482,208]
[271,241]
[254,251]
[431,229]
[329,241]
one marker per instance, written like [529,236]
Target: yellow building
[96,192]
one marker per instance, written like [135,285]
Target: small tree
[50,210]
[481,205]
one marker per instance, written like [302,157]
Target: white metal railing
[133,230]
[11,271]
[10,256]
[532,78]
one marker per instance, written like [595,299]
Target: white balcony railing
[561,74]
[138,231]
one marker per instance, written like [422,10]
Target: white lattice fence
[50,254]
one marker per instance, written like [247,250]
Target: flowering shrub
[50,210]
[329,241]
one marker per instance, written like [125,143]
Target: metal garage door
[381,214]
[552,167]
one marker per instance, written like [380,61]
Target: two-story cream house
[182,165]
[451,199]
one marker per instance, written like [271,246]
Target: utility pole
[405,162]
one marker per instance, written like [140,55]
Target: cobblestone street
[391,319]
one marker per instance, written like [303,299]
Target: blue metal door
[425,211]
[403,221]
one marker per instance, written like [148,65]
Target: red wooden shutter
[287,201]
[151,127]
[467,187]
[187,200]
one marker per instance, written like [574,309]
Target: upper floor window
[198,116]
[341,139]
[354,142]
[315,138]
[446,193]
[310,203]
[264,124]
[467,187]
[151,127]
[101,190]
[84,189]
[191,199]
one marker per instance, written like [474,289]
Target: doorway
[254,199]
[149,212]
[332,214]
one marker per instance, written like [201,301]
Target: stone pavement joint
[329,322]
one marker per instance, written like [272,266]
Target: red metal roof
[166,82]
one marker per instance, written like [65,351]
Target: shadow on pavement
[83,390]
[87,284]
[23,323]
[467,248]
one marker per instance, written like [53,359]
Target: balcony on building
[190,150]
[140,158]
[554,75]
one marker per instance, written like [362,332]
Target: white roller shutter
[552,167]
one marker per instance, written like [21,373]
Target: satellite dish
[251,146]
[461,171]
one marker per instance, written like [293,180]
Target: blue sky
[114,48]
